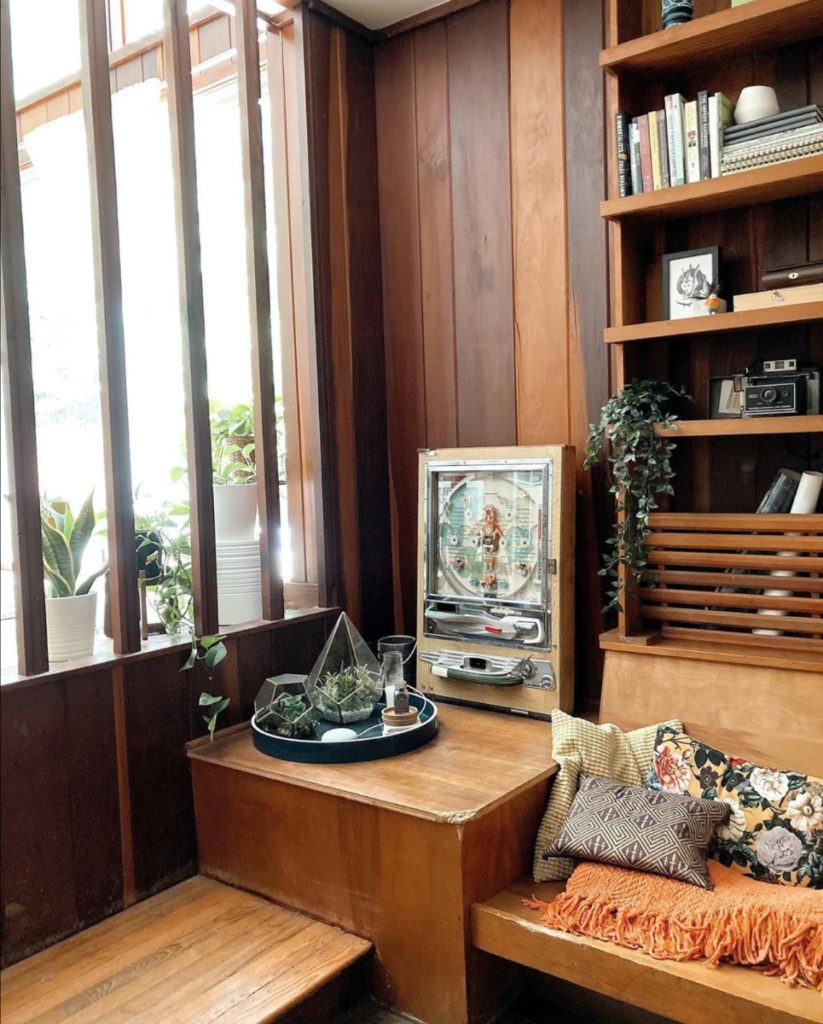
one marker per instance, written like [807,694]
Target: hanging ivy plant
[640,470]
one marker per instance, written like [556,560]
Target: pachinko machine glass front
[495,601]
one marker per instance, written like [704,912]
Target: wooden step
[691,993]
[201,951]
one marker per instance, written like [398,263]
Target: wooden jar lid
[392,718]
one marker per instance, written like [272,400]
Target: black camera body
[775,387]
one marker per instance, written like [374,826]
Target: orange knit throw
[743,921]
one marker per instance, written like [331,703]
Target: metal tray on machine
[370,744]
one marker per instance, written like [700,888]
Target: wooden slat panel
[481,198]
[731,560]
[539,222]
[19,424]
[802,605]
[787,643]
[125,614]
[734,542]
[730,522]
[751,581]
[192,318]
[431,107]
[265,428]
[734,619]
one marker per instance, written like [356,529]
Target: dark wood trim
[342,20]
[177,60]
[265,428]
[118,675]
[18,389]
[125,610]
[312,121]
[423,18]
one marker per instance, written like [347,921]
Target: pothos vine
[640,471]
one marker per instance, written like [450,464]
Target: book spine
[715,139]
[654,140]
[645,152]
[678,105]
[780,495]
[703,135]
[663,147]
[766,501]
[621,137]
[692,145]
[634,158]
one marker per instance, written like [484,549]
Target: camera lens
[769,395]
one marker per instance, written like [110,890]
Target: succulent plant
[293,717]
[348,695]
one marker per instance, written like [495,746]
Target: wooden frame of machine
[495,614]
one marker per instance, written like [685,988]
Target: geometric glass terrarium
[283,706]
[344,684]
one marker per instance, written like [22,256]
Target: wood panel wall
[97,806]
[491,167]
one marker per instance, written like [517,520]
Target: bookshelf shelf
[753,319]
[746,427]
[762,24]
[762,185]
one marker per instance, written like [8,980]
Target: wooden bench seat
[199,952]
[689,992]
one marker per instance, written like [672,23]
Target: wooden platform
[199,952]
[394,850]
[691,993]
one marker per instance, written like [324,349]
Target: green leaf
[190,661]
[57,554]
[80,535]
[60,587]
[209,641]
[214,655]
[207,699]
[87,583]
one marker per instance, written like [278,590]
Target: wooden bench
[773,717]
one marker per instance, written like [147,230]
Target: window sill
[156,646]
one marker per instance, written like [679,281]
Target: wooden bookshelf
[747,320]
[751,427]
[760,218]
[762,24]
[786,180]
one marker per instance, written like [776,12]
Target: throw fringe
[782,943]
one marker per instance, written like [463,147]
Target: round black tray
[370,747]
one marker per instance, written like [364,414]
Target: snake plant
[65,538]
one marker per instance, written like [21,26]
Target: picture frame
[688,275]
[725,402]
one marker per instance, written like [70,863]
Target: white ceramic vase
[754,102]
[235,511]
[70,622]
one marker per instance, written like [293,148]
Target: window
[57,213]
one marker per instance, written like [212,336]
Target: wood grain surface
[198,952]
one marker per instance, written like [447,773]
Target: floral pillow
[775,832]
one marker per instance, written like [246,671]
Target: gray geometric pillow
[632,827]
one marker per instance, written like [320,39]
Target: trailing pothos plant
[640,470]
[209,651]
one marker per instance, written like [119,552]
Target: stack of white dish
[239,596]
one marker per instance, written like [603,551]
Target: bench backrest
[771,716]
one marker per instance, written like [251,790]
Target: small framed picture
[688,276]
[725,398]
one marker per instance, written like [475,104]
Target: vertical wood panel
[288,276]
[251,134]
[125,614]
[435,206]
[192,316]
[18,389]
[402,311]
[539,219]
[478,41]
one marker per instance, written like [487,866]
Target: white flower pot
[754,102]
[235,511]
[70,622]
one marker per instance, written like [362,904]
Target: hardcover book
[654,140]
[703,135]
[674,131]
[721,113]
[634,158]
[645,152]
[621,138]
[692,144]
[663,148]
[779,497]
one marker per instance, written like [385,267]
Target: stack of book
[780,495]
[680,144]
[771,140]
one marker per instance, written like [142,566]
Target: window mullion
[18,397]
[125,613]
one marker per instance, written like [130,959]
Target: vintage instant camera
[495,602]
[771,387]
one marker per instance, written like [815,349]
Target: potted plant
[71,605]
[234,470]
[208,651]
[163,542]
[641,471]
[348,695]
[292,716]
